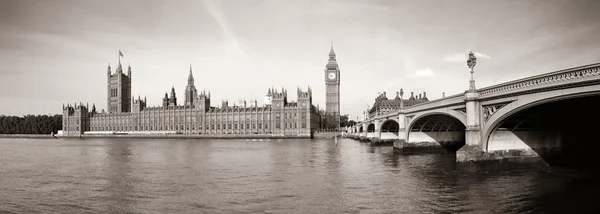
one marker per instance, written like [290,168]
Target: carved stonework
[544,80]
[489,110]
[463,110]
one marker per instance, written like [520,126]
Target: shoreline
[165,136]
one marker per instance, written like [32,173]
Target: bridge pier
[473,150]
[362,137]
[476,150]
[401,144]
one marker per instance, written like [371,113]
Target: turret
[269,97]
[203,102]
[166,100]
[224,104]
[129,71]
[173,98]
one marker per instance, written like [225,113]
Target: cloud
[459,57]
[482,55]
[214,9]
[427,72]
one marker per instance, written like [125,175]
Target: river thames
[274,176]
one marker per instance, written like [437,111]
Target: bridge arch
[360,129]
[390,125]
[371,128]
[462,117]
[551,124]
[389,130]
[440,128]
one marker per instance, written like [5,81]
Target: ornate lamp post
[471,63]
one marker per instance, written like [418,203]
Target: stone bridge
[538,116]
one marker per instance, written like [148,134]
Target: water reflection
[120,184]
[282,176]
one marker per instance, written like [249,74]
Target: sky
[57,51]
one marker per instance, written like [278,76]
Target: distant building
[195,116]
[332,92]
[383,105]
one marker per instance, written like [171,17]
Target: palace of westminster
[277,117]
[195,116]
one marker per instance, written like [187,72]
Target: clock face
[331,76]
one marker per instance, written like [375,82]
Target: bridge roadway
[504,121]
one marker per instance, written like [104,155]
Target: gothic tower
[173,98]
[332,91]
[190,90]
[119,90]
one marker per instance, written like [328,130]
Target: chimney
[419,96]
[384,93]
[412,94]
[424,95]
[443,94]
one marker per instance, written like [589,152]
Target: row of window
[182,127]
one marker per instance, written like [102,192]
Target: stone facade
[195,117]
[383,105]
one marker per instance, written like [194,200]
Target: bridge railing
[436,101]
[542,79]
[548,78]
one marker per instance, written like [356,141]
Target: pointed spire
[190,77]
[331,52]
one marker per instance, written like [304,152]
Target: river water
[276,176]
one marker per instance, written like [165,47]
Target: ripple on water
[283,176]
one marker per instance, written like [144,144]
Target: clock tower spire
[332,91]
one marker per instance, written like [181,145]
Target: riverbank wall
[26,136]
[178,136]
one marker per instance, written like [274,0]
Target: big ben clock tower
[332,90]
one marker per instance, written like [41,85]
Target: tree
[30,124]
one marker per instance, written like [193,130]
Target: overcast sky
[54,52]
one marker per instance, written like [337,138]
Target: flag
[120,54]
